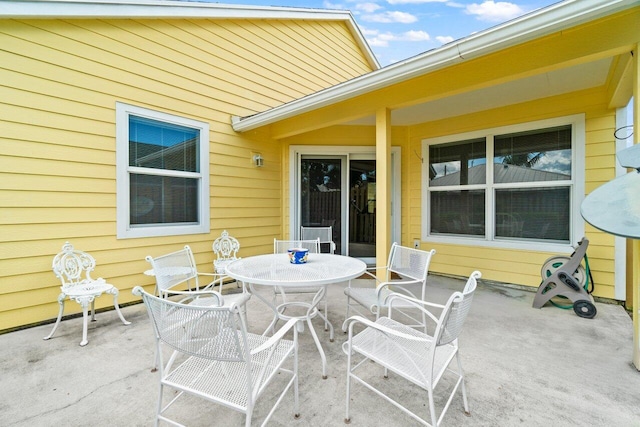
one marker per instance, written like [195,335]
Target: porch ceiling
[557,82]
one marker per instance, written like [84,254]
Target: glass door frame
[345,153]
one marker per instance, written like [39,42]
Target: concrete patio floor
[523,366]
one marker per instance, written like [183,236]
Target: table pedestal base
[311,311]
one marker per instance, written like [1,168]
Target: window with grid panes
[163,173]
[503,186]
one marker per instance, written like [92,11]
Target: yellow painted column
[383,185]
[635,279]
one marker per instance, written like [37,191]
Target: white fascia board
[158,9]
[362,43]
[534,25]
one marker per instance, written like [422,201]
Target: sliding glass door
[337,187]
[320,194]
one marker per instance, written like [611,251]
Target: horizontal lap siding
[518,266]
[59,82]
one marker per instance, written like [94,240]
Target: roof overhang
[537,24]
[155,9]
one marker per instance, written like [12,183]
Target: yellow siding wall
[517,266]
[507,266]
[59,82]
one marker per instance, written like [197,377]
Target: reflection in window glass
[458,212]
[541,155]
[534,213]
[528,185]
[163,200]
[160,199]
[458,163]
[158,145]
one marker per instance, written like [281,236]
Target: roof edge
[528,27]
[156,9]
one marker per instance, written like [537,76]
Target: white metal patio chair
[324,234]
[73,268]
[282,246]
[226,250]
[406,273]
[177,270]
[214,357]
[418,357]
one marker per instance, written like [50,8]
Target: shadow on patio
[523,366]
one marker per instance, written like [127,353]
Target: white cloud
[416,36]
[415,1]
[444,39]
[335,6]
[383,39]
[390,17]
[494,11]
[368,7]
[368,31]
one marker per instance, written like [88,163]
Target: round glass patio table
[275,270]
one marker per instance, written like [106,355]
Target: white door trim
[297,151]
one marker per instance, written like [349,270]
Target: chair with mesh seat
[324,234]
[176,274]
[406,273]
[421,358]
[212,355]
[177,270]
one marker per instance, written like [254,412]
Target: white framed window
[162,167]
[516,186]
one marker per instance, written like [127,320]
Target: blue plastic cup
[298,255]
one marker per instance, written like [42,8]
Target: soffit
[561,34]
[557,82]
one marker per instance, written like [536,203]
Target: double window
[505,185]
[162,173]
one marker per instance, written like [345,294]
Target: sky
[400,29]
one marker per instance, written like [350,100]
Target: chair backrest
[409,262]
[73,267]
[282,246]
[324,234]
[455,312]
[210,332]
[174,269]
[225,247]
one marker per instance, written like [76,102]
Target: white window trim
[623,118]
[124,230]
[577,227]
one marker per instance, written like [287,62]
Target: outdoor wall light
[258,161]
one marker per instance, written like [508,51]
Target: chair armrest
[351,321]
[244,297]
[419,304]
[370,274]
[400,284]
[215,281]
[275,337]
[192,295]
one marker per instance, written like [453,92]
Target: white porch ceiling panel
[571,79]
